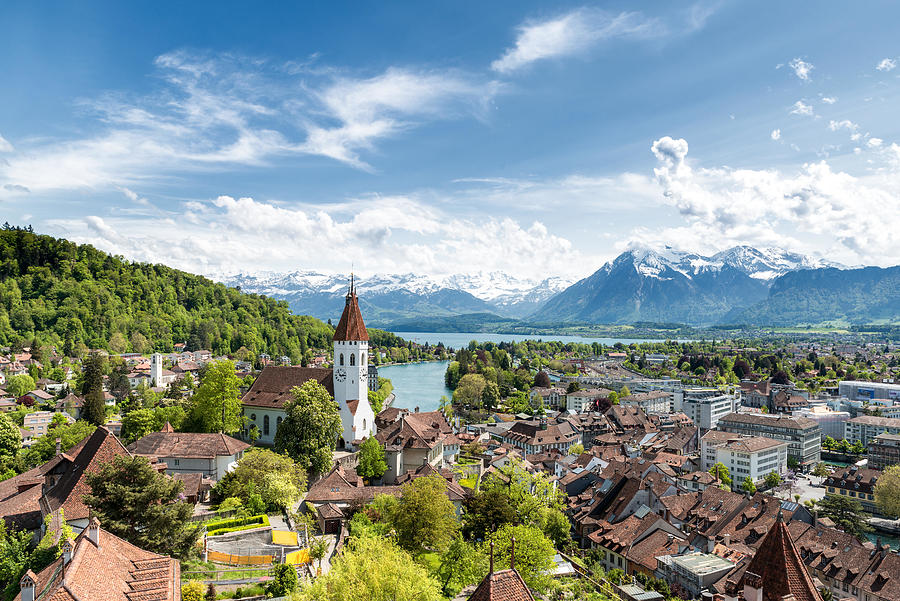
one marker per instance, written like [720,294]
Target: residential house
[38,422]
[212,455]
[858,483]
[539,436]
[414,440]
[585,400]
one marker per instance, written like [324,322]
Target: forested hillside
[77,297]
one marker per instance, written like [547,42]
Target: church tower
[351,372]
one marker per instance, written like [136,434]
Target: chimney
[727,539]
[58,446]
[512,556]
[492,558]
[417,410]
[93,531]
[26,586]
[710,545]
[68,548]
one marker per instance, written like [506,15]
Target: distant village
[718,491]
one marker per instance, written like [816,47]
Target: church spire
[351,326]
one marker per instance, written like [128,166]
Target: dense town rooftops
[272,389]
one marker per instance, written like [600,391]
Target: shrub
[192,591]
[284,581]
[257,520]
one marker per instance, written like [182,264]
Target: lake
[417,384]
[461,339]
[422,384]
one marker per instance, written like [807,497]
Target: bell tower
[351,371]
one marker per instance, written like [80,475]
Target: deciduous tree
[10,439]
[721,473]
[371,459]
[217,402]
[534,553]
[19,385]
[425,518]
[311,427]
[887,491]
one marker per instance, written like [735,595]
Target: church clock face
[363,373]
[340,375]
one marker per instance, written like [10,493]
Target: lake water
[417,384]
[461,339]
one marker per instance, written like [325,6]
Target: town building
[693,572]
[858,483]
[804,436]
[706,410]
[209,454]
[752,457]
[654,401]
[539,436]
[413,440]
[347,382]
[868,391]
[585,400]
[99,565]
[884,451]
[831,421]
[552,398]
[866,427]
[39,422]
[709,445]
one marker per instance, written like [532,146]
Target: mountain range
[741,285]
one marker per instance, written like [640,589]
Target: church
[347,382]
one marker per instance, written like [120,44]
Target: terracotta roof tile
[187,444]
[505,585]
[272,389]
[351,326]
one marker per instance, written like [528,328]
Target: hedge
[254,521]
[235,529]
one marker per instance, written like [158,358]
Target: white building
[868,391]
[752,457]
[831,422]
[583,400]
[866,427]
[705,411]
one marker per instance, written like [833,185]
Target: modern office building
[831,422]
[884,450]
[868,391]
[866,427]
[803,435]
[707,410]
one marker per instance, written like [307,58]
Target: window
[342,358]
[362,359]
[364,423]
[176,462]
[253,417]
[265,425]
[278,422]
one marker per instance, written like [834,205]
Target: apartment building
[804,436]
[706,410]
[884,450]
[866,427]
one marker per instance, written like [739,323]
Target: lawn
[430,560]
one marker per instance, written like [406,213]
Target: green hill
[75,296]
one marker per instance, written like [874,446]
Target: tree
[192,590]
[556,526]
[573,387]
[139,343]
[541,380]
[44,448]
[534,553]
[10,439]
[211,588]
[486,511]
[117,343]
[217,402]
[772,479]
[14,558]
[19,385]
[624,392]
[720,471]
[425,518]
[311,427]
[137,424]
[461,564]
[576,449]
[371,459]
[469,390]
[749,485]
[846,513]
[887,491]
[318,548]
[372,568]
[275,478]
[135,502]
[94,409]
[490,395]
[284,581]
[821,470]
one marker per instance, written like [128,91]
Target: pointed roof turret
[778,569]
[351,326]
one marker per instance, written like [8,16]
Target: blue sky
[534,138]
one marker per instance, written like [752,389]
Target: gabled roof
[187,445]
[85,457]
[351,326]
[113,570]
[272,389]
[777,569]
[505,585]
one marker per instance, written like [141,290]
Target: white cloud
[726,206]
[801,108]
[216,112]
[874,142]
[829,99]
[381,235]
[572,34]
[776,134]
[5,146]
[886,64]
[801,68]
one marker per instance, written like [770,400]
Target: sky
[535,138]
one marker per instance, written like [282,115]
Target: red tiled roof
[272,389]
[114,570]
[778,569]
[505,585]
[187,444]
[351,326]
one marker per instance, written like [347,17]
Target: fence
[239,560]
[298,557]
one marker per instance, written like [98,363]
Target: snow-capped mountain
[391,297]
[670,285]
